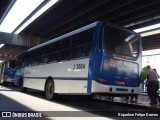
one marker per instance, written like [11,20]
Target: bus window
[45,58]
[66,43]
[65,49]
[82,44]
[35,60]
[122,42]
[54,57]
[12,65]
[46,49]
[55,46]
[65,55]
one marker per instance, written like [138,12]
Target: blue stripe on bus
[92,60]
[60,78]
[71,78]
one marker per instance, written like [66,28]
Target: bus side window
[65,55]
[53,54]
[54,57]
[66,43]
[65,49]
[82,43]
[35,57]
[44,58]
[44,54]
[27,61]
[35,61]
[56,46]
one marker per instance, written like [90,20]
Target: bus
[99,58]
[20,71]
[8,70]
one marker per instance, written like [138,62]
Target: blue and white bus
[8,70]
[99,58]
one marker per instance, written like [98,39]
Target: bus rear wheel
[49,90]
[22,89]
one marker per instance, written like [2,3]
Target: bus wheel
[22,89]
[49,90]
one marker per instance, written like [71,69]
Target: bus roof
[65,35]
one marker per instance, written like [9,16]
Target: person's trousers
[151,87]
[156,91]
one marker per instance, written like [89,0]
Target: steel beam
[22,40]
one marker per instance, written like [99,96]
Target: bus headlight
[5,77]
[100,80]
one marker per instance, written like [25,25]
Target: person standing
[144,77]
[151,84]
[157,87]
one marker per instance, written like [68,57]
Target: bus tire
[22,89]
[49,89]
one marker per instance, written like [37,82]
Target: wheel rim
[49,90]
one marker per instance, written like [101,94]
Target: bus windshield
[120,41]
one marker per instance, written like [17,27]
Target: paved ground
[34,101]
[143,102]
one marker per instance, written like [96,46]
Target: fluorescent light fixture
[36,15]
[20,10]
[1,45]
[147,28]
[1,61]
[150,33]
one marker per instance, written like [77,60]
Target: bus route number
[78,66]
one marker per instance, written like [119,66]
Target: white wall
[152,58]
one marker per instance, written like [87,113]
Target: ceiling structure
[67,15]
[3,6]
[11,51]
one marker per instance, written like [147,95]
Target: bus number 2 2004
[78,66]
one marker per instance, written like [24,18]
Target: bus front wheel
[49,90]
